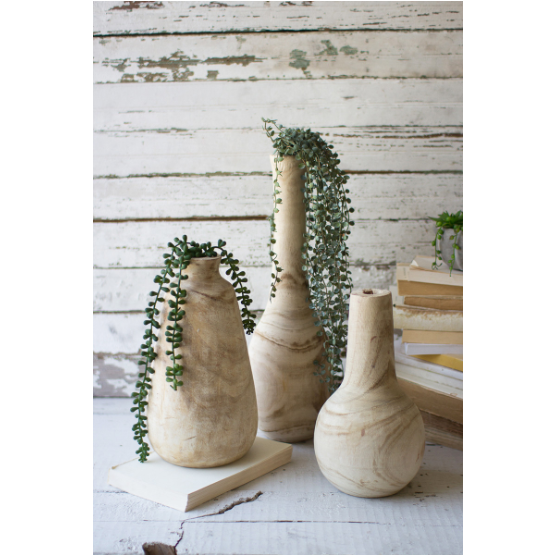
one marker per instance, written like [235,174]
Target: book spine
[435,380]
[443,431]
[428,319]
[432,349]
[445,360]
[406,287]
[432,337]
[429,277]
[444,303]
[433,402]
[435,368]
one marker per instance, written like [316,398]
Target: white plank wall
[147,18]
[179,92]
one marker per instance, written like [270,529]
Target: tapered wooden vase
[285,343]
[212,419]
[369,437]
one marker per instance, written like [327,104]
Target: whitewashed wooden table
[298,512]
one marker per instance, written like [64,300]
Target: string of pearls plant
[171,280]
[324,252]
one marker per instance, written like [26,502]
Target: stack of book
[428,308]
[437,390]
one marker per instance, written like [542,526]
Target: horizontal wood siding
[179,92]
[133,244]
[147,18]
[319,104]
[374,196]
[273,56]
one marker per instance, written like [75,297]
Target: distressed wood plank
[274,56]
[311,515]
[277,504]
[137,245]
[148,154]
[115,334]
[126,289]
[319,103]
[422,537]
[143,18]
[374,196]
[114,375]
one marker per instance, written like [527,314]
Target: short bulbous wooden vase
[285,343]
[369,437]
[212,419]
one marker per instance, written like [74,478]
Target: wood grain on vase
[212,419]
[285,343]
[369,437]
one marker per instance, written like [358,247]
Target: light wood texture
[275,56]
[185,489]
[212,419]
[432,337]
[369,437]
[116,18]
[415,318]
[299,512]
[285,342]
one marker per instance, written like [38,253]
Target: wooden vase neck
[370,355]
[290,222]
[203,269]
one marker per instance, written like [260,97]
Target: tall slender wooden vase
[370,438]
[212,419]
[285,343]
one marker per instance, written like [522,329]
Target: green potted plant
[297,346]
[196,390]
[448,240]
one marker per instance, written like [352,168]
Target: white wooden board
[126,289]
[298,512]
[124,18]
[318,104]
[259,56]
[209,152]
[132,244]
[374,196]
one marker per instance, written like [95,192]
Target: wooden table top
[292,510]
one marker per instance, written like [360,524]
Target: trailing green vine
[447,221]
[170,282]
[324,252]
